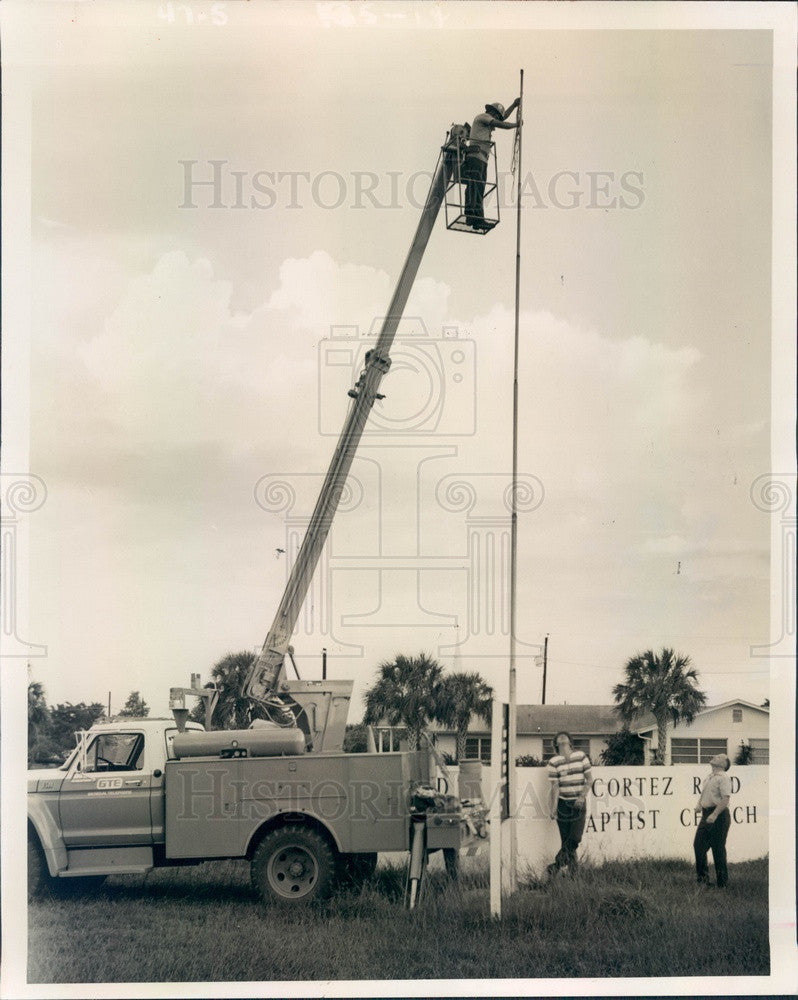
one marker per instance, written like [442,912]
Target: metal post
[545,661]
[324,663]
[512,733]
[495,809]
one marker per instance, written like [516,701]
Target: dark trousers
[475,173]
[712,836]
[571,822]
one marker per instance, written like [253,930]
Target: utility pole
[512,733]
[545,661]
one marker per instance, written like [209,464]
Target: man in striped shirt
[569,781]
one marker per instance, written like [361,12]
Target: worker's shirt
[714,789]
[570,774]
[481,129]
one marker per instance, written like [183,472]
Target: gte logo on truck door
[108,783]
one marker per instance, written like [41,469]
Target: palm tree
[663,684]
[405,694]
[461,696]
[233,710]
[38,713]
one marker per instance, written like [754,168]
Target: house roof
[545,720]
[581,720]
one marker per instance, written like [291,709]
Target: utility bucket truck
[141,793]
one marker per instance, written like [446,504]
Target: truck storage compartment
[267,740]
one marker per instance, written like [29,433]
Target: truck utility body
[131,798]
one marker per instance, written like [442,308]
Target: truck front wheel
[293,866]
[38,877]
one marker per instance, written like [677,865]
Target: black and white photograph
[398,498]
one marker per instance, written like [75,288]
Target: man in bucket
[475,167]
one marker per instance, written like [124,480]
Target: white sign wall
[641,812]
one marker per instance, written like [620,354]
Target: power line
[701,670]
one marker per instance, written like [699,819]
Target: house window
[387,739]
[684,751]
[577,742]
[737,715]
[760,751]
[699,751]
[478,748]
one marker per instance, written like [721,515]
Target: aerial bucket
[458,180]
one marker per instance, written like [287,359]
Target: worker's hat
[496,108]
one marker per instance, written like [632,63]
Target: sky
[181,333]
[206,208]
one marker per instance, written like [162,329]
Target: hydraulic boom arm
[266,674]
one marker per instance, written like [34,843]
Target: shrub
[623,748]
[744,754]
[529,760]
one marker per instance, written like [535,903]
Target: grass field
[205,924]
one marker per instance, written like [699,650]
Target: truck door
[105,801]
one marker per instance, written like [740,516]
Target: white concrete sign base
[642,812]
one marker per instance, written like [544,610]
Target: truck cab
[103,809]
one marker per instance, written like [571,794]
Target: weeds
[206,924]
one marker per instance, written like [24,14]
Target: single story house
[589,725]
[717,729]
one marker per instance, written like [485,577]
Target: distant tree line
[51,730]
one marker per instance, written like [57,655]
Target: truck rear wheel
[293,866]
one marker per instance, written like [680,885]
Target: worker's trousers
[712,836]
[475,173]
[571,818]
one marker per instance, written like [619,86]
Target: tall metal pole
[545,661]
[512,733]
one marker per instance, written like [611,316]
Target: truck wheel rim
[292,872]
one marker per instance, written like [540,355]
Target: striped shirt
[571,773]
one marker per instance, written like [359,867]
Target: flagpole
[512,728]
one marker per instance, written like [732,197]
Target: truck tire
[355,869]
[41,882]
[293,866]
[39,879]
